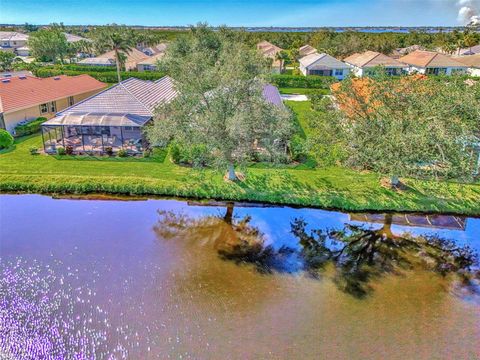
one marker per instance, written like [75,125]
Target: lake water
[158,279]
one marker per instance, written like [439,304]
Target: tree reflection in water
[357,254]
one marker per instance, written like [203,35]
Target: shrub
[30,128]
[200,156]
[297,148]
[122,153]
[69,150]
[304,82]
[109,150]
[104,76]
[61,151]
[6,140]
[33,151]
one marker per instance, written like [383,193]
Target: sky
[294,13]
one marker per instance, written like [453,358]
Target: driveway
[293,97]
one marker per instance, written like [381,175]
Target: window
[71,101]
[338,72]
[436,71]
[53,106]
[43,108]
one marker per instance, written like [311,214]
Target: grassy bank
[330,188]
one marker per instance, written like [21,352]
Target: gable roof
[156,49]
[429,59]
[133,57]
[325,60]
[71,38]
[472,61]
[307,50]
[132,96]
[26,91]
[267,49]
[12,36]
[470,51]
[152,60]
[372,59]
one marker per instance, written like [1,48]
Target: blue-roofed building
[115,118]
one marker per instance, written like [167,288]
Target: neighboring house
[115,118]
[472,62]
[71,38]
[365,63]
[270,51]
[150,64]
[470,51]
[432,63]
[108,59]
[323,65]
[153,50]
[306,50]
[26,98]
[12,40]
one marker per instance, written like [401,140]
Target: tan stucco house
[24,98]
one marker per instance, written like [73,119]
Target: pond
[157,279]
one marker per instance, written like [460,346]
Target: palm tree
[469,40]
[449,48]
[121,41]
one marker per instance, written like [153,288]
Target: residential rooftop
[472,61]
[430,59]
[325,60]
[370,59]
[25,91]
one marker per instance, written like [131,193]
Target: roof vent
[56,78]
[23,77]
[5,81]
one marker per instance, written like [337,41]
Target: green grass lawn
[330,187]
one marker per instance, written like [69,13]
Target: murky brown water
[160,279]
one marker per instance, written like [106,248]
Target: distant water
[365,30]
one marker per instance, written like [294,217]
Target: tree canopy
[49,44]
[413,126]
[220,103]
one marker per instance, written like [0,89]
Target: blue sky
[233,12]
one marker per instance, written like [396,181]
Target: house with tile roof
[115,118]
[133,57]
[24,98]
[365,63]
[323,65]
[270,51]
[473,63]
[432,63]
[474,50]
[153,50]
[12,40]
[150,64]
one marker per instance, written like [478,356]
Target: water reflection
[355,255]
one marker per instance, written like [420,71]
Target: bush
[195,155]
[69,150]
[304,82]
[30,128]
[61,151]
[33,151]
[109,150]
[122,153]
[104,76]
[297,148]
[6,140]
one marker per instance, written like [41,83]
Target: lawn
[330,187]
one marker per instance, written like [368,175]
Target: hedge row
[80,67]
[304,82]
[104,76]
[29,128]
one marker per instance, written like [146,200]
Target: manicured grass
[301,110]
[330,187]
[301,91]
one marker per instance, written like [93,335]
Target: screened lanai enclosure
[95,133]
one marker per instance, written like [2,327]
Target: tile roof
[272,95]
[471,51]
[12,36]
[152,60]
[131,96]
[133,57]
[372,59]
[26,91]
[325,60]
[307,50]
[74,38]
[156,49]
[267,49]
[472,61]
[429,59]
